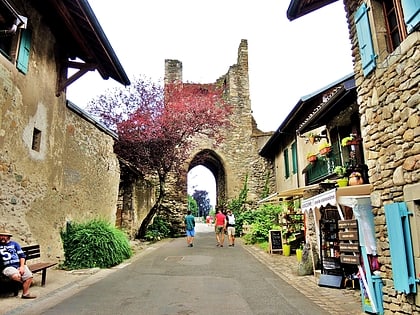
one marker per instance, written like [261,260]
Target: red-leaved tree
[155,126]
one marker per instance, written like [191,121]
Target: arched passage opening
[202,188]
[213,163]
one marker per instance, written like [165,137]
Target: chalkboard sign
[275,241]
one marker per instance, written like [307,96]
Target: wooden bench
[33,252]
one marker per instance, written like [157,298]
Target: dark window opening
[36,140]
[15,38]
[395,25]
[7,30]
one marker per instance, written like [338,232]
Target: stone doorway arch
[213,162]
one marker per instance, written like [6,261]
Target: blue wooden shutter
[364,38]
[286,163]
[294,158]
[411,10]
[401,248]
[22,61]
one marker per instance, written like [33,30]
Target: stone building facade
[389,102]
[56,164]
[385,41]
[236,158]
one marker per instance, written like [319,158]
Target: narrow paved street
[169,278]
[176,279]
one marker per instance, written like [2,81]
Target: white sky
[287,60]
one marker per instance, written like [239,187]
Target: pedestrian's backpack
[230,220]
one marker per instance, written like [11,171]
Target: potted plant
[340,171]
[299,252]
[324,148]
[286,249]
[345,140]
[286,246]
[311,157]
[351,140]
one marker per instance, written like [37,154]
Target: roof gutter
[299,8]
[123,78]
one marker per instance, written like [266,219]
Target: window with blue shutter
[401,248]
[364,38]
[294,158]
[22,61]
[411,10]
[286,163]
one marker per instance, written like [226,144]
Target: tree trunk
[146,221]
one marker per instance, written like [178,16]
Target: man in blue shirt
[12,263]
[190,228]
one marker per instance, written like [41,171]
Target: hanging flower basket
[325,151]
[352,142]
[312,158]
[347,141]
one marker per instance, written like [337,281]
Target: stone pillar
[173,71]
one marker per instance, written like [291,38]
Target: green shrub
[262,220]
[95,243]
[264,246]
[249,239]
[158,230]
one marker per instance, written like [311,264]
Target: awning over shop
[290,193]
[323,199]
[330,197]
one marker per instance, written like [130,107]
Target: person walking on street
[190,228]
[220,223]
[12,260]
[230,224]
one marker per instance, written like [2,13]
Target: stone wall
[389,101]
[136,197]
[67,171]
[79,182]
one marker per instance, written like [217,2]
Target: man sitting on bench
[13,261]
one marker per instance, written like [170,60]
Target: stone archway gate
[234,160]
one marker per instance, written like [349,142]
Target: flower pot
[312,159]
[325,151]
[342,182]
[352,142]
[299,255]
[356,180]
[286,249]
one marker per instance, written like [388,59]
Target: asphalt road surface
[176,279]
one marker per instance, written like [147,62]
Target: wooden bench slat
[32,252]
[40,266]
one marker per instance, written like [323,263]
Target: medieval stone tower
[237,158]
